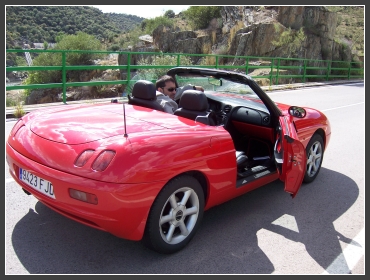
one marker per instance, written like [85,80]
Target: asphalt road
[320,231]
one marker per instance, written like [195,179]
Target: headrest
[144,90]
[194,100]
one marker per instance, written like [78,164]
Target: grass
[289,86]
[16,99]
[19,111]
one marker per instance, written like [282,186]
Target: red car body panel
[294,165]
[306,127]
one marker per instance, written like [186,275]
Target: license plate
[39,184]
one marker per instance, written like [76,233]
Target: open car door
[290,156]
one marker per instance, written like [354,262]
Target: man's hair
[161,82]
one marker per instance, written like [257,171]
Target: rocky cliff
[258,31]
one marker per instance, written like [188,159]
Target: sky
[145,11]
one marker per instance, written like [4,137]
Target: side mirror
[297,112]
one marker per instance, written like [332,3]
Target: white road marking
[349,257]
[287,221]
[342,107]
[346,261]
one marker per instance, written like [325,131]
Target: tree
[59,36]
[151,24]
[169,14]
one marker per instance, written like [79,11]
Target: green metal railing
[301,68]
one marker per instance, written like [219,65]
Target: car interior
[250,127]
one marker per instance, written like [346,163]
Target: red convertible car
[143,174]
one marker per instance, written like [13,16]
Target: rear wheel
[175,215]
[315,154]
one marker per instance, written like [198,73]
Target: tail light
[83,158]
[103,160]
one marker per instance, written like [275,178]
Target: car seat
[144,94]
[193,105]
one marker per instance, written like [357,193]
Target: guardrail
[301,68]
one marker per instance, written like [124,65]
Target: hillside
[38,24]
[123,21]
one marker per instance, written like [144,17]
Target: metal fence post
[328,70]
[64,77]
[304,71]
[128,68]
[272,70]
[349,70]
[246,65]
[277,72]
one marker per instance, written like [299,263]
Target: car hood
[70,124]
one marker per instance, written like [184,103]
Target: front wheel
[175,215]
[315,155]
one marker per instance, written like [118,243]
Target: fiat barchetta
[139,173]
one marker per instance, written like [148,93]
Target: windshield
[221,85]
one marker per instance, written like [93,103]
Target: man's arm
[168,105]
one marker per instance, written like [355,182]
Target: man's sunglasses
[170,89]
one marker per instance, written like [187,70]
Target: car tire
[175,215]
[315,155]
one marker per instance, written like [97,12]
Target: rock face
[313,18]
[252,31]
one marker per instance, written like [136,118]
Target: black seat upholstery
[240,158]
[144,94]
[241,163]
[194,105]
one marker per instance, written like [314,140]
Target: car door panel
[294,157]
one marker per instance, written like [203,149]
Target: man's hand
[199,88]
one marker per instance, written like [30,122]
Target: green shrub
[199,17]
[44,77]
[80,41]
[132,38]
[148,25]
[340,68]
[291,39]
[20,61]
[114,47]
